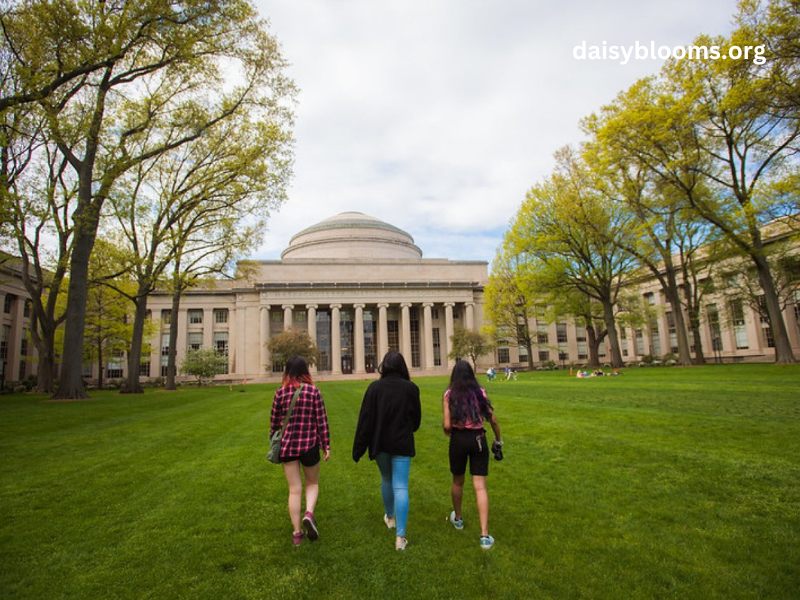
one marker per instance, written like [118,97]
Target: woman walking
[465,407]
[390,414]
[305,435]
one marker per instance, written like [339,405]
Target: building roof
[352,235]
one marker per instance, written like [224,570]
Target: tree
[564,226]
[292,342]
[203,363]
[509,302]
[467,342]
[158,75]
[714,124]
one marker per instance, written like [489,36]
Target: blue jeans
[394,487]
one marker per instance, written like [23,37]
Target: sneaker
[400,543]
[457,523]
[487,542]
[310,525]
[297,537]
[390,521]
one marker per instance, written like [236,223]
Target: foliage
[203,363]
[467,342]
[292,342]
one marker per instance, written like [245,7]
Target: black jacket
[390,414]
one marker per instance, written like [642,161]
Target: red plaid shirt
[308,423]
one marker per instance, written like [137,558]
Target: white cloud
[438,115]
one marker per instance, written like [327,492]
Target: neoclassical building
[358,285]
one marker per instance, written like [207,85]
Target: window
[563,342]
[502,356]
[523,355]
[144,366]
[114,366]
[544,355]
[437,348]
[8,303]
[541,333]
[164,353]
[673,332]
[737,323]
[194,340]
[195,316]
[435,313]
[221,346]
[655,337]
[766,327]
[4,342]
[166,316]
[23,355]
[640,343]
[26,310]
[713,326]
[220,315]
[416,360]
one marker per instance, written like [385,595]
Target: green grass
[661,483]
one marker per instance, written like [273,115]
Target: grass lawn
[660,483]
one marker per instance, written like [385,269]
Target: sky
[437,116]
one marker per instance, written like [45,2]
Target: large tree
[565,225]
[157,74]
[714,125]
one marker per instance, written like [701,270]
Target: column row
[352,341]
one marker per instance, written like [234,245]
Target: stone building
[358,285]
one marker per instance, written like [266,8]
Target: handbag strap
[291,406]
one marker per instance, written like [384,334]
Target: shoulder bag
[274,454]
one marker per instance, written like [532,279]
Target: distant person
[508,373]
[390,414]
[466,406]
[306,434]
[490,374]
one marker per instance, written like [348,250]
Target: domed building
[357,284]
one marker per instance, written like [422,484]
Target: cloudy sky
[438,115]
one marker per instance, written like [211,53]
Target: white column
[287,315]
[448,326]
[208,328]
[264,337]
[358,331]
[312,327]
[427,325]
[336,340]
[469,308]
[383,331]
[405,339]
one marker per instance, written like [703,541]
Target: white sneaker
[391,522]
[457,523]
[487,542]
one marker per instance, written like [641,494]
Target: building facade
[357,285]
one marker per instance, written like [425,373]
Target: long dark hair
[394,364]
[295,372]
[466,400]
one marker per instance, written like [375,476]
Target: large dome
[352,235]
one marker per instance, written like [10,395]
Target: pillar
[264,337]
[405,339]
[469,308]
[383,331]
[312,328]
[427,326]
[358,331]
[336,340]
[287,316]
[448,333]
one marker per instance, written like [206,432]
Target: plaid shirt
[308,423]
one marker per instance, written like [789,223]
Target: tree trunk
[613,338]
[694,323]
[133,385]
[594,345]
[172,352]
[70,383]
[780,335]
[673,297]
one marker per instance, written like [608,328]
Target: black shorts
[309,459]
[469,444]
